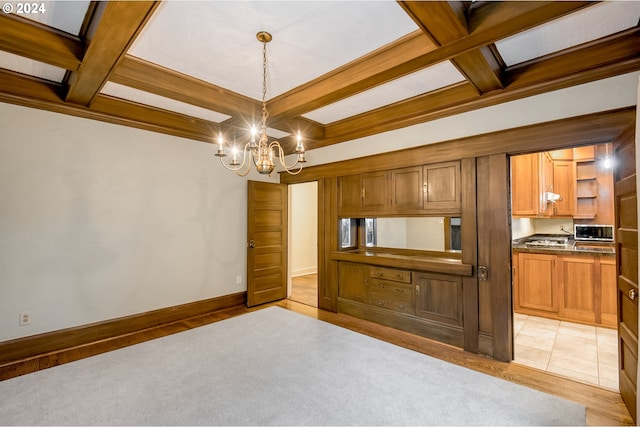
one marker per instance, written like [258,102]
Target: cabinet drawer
[392,302]
[392,296]
[401,276]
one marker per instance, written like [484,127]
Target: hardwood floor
[304,289]
[603,407]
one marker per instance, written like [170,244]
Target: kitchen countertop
[572,247]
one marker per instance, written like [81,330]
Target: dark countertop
[572,247]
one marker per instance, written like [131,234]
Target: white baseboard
[304,271]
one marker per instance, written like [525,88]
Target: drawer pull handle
[402,307]
[632,294]
[380,303]
[399,275]
[379,273]
[380,285]
[400,290]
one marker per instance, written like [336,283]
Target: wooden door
[626,212]
[267,242]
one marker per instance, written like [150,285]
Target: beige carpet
[273,367]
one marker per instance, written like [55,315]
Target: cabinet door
[525,185]
[349,195]
[439,298]
[608,305]
[537,282]
[563,184]
[353,282]
[577,279]
[375,191]
[442,186]
[406,189]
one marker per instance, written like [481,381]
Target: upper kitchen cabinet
[527,175]
[578,176]
[563,184]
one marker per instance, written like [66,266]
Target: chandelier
[261,153]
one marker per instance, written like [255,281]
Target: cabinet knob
[632,294]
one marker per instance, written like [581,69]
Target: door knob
[632,294]
[252,244]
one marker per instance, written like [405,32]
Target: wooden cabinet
[406,189]
[414,190]
[374,191]
[578,284]
[353,282]
[442,186]
[578,288]
[349,195]
[608,292]
[563,184]
[525,185]
[439,298]
[537,283]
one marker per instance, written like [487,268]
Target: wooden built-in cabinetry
[579,288]
[572,173]
[412,190]
[430,304]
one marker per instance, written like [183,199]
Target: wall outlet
[239,279]
[25,318]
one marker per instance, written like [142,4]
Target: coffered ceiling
[337,70]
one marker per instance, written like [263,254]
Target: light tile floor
[583,353]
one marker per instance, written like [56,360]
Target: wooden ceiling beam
[446,22]
[40,42]
[379,66]
[615,55]
[16,88]
[114,28]
[488,23]
[143,75]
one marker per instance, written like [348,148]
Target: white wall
[303,226]
[99,221]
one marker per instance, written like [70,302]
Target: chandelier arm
[241,166]
[288,169]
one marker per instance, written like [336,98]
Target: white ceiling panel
[31,67]
[153,100]
[61,14]
[592,23]
[424,81]
[215,40]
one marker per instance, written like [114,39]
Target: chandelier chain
[265,113]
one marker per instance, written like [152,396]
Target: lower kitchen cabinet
[578,284]
[578,288]
[537,283]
